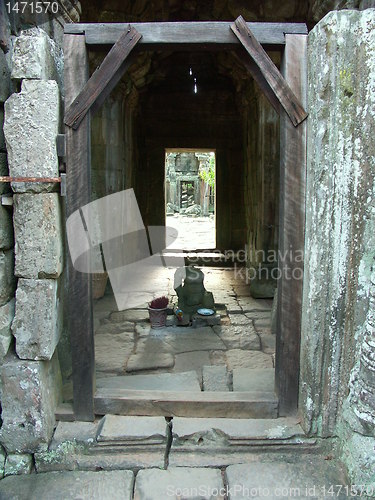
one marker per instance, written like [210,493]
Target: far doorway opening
[190,186]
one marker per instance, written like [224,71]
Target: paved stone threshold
[151,458]
[117,442]
[155,458]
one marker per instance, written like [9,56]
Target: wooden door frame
[207,36]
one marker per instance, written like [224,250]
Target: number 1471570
[32,7]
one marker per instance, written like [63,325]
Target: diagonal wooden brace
[268,72]
[103,79]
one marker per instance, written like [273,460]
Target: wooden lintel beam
[255,72]
[277,83]
[180,34]
[101,82]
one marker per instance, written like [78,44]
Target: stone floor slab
[114,328]
[236,358]
[102,485]
[248,304]
[178,483]
[184,381]
[294,477]
[193,361]
[124,428]
[130,315]
[238,337]
[113,351]
[253,379]
[149,361]
[215,378]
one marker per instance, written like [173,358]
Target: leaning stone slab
[32,56]
[6,318]
[30,128]
[138,362]
[35,325]
[38,234]
[179,482]
[82,485]
[133,430]
[215,378]
[31,392]
[7,279]
[236,358]
[18,464]
[253,379]
[185,381]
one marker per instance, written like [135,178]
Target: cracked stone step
[79,432]
[184,381]
[219,432]
[118,429]
[253,379]
[179,482]
[297,477]
[87,485]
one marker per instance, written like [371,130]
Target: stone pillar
[30,375]
[337,349]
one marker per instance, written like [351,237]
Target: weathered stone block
[31,126]
[6,318]
[18,464]
[340,201]
[7,279]
[35,325]
[31,392]
[4,76]
[6,228]
[32,57]
[38,234]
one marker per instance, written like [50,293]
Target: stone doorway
[190,184]
[229,153]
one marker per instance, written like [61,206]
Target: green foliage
[208,174]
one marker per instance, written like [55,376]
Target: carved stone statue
[192,295]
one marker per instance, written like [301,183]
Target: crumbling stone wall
[337,383]
[31,245]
